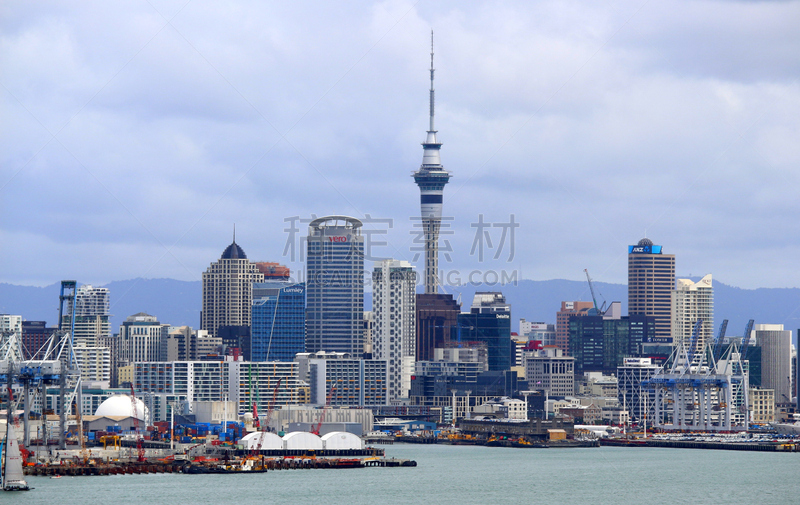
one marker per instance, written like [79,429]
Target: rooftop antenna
[432,92]
[234,233]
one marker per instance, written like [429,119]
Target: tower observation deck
[431,179]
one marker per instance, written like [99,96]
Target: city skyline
[678,124]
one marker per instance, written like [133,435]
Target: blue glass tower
[277,329]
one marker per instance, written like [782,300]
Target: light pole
[454,408]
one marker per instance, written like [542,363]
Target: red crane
[139,440]
[322,416]
[268,417]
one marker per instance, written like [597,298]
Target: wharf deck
[694,444]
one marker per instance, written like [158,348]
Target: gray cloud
[592,123]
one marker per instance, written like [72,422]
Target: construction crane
[600,310]
[268,416]
[322,416]
[271,406]
[720,336]
[139,440]
[256,421]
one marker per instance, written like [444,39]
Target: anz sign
[644,249]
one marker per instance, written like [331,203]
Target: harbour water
[465,475]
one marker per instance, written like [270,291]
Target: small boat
[55,476]
[13,479]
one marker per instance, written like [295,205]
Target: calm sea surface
[465,475]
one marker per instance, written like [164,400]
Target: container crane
[139,440]
[746,340]
[720,337]
[691,350]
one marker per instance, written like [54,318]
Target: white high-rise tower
[394,305]
[431,178]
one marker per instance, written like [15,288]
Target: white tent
[302,440]
[342,440]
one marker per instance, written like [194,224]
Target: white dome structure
[302,440]
[120,406]
[342,440]
[268,442]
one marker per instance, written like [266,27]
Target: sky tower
[431,178]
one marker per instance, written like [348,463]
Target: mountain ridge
[178,302]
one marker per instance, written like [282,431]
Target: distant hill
[171,301]
[178,302]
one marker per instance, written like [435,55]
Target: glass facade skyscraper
[489,321]
[335,286]
[277,329]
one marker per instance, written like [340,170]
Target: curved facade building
[335,286]
[651,279]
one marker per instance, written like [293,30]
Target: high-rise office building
[227,290]
[394,304]
[278,329]
[776,356]
[431,179]
[601,342]
[489,321]
[437,321]
[335,286]
[140,339]
[651,279]
[692,302]
[563,316]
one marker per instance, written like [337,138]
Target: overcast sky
[136,133]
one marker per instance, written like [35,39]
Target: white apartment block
[94,363]
[394,306]
[242,382]
[11,324]
[348,382]
[692,301]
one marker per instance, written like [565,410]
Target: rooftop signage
[644,249]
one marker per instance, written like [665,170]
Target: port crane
[720,337]
[693,343]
